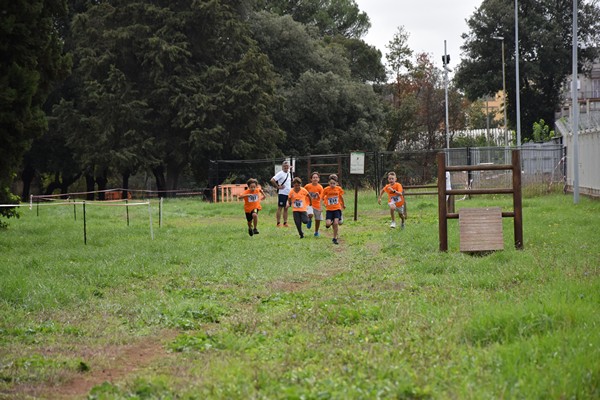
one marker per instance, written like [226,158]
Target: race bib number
[332,201]
[297,203]
[396,199]
[253,198]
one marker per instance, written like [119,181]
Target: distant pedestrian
[283,182]
[396,202]
[315,189]
[333,197]
[299,200]
[252,197]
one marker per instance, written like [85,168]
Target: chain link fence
[543,168]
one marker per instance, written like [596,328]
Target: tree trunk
[125,175]
[159,175]
[90,185]
[66,182]
[102,181]
[27,177]
[55,184]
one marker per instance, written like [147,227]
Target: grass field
[205,311]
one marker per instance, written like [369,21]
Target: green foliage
[541,132]
[328,114]
[470,141]
[327,17]
[479,118]
[31,63]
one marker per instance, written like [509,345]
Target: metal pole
[446,93]
[84,225]
[442,210]
[150,218]
[518,104]
[575,119]
[504,96]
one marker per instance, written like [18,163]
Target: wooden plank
[480,229]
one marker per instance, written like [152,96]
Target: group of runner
[306,201]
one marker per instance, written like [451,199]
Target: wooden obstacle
[229,192]
[480,229]
[515,190]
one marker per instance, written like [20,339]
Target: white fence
[589,162]
[589,153]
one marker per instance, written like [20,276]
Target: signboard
[357,163]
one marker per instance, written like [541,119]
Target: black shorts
[249,215]
[282,200]
[333,214]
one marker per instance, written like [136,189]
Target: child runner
[252,197]
[395,194]
[333,197]
[299,200]
[315,189]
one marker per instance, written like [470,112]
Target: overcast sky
[429,23]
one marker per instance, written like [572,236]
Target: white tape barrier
[89,203]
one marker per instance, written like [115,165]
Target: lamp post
[446,60]
[518,90]
[501,38]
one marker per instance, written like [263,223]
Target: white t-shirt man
[284,180]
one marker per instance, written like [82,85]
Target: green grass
[382,315]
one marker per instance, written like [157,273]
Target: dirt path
[121,361]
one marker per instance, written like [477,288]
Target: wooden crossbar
[480,229]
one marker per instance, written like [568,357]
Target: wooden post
[442,211]
[517,199]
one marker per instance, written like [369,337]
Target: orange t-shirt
[395,198]
[314,191]
[332,197]
[252,202]
[300,200]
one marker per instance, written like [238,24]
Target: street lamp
[503,89]
[446,60]
[517,83]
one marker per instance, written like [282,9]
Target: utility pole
[575,117]
[445,61]
[518,94]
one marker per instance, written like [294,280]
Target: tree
[545,40]
[328,114]
[159,85]
[31,56]
[541,132]
[364,60]
[417,118]
[327,17]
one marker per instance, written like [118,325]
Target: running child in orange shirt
[315,189]
[299,200]
[252,197]
[333,197]
[395,194]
